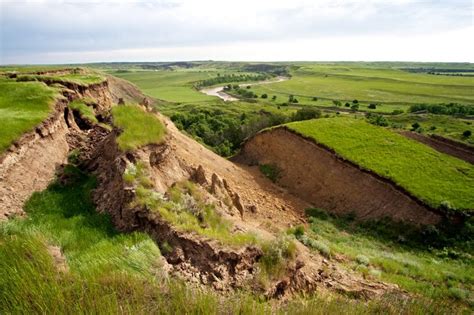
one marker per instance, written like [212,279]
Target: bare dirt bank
[319,177]
[31,162]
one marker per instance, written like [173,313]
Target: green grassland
[172,86]
[138,127]
[23,105]
[371,85]
[439,180]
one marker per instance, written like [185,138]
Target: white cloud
[35,30]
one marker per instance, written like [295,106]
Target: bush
[355,107]
[415,126]
[276,255]
[274,97]
[355,102]
[377,120]
[467,133]
[347,104]
[397,112]
[315,99]
[362,260]
[264,96]
[372,106]
[306,113]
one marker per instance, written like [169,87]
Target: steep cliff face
[31,163]
[318,176]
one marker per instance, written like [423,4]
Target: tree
[467,133]
[264,95]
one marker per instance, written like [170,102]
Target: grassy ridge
[438,179]
[139,127]
[23,105]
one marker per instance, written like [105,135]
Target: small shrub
[271,171]
[317,213]
[363,260]
[264,95]
[297,231]
[415,126]
[276,255]
[467,133]
[372,106]
[397,112]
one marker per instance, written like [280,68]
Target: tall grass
[438,179]
[139,127]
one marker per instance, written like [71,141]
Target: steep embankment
[320,177]
[32,161]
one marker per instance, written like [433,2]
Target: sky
[73,31]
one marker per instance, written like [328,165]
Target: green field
[172,86]
[390,87]
[439,180]
[23,105]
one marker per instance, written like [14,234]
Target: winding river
[219,90]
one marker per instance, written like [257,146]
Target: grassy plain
[388,87]
[172,86]
[439,180]
[23,105]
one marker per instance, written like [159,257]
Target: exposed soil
[444,145]
[326,181]
[257,205]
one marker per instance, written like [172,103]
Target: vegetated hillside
[438,179]
[183,212]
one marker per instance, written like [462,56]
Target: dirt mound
[318,176]
[444,145]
